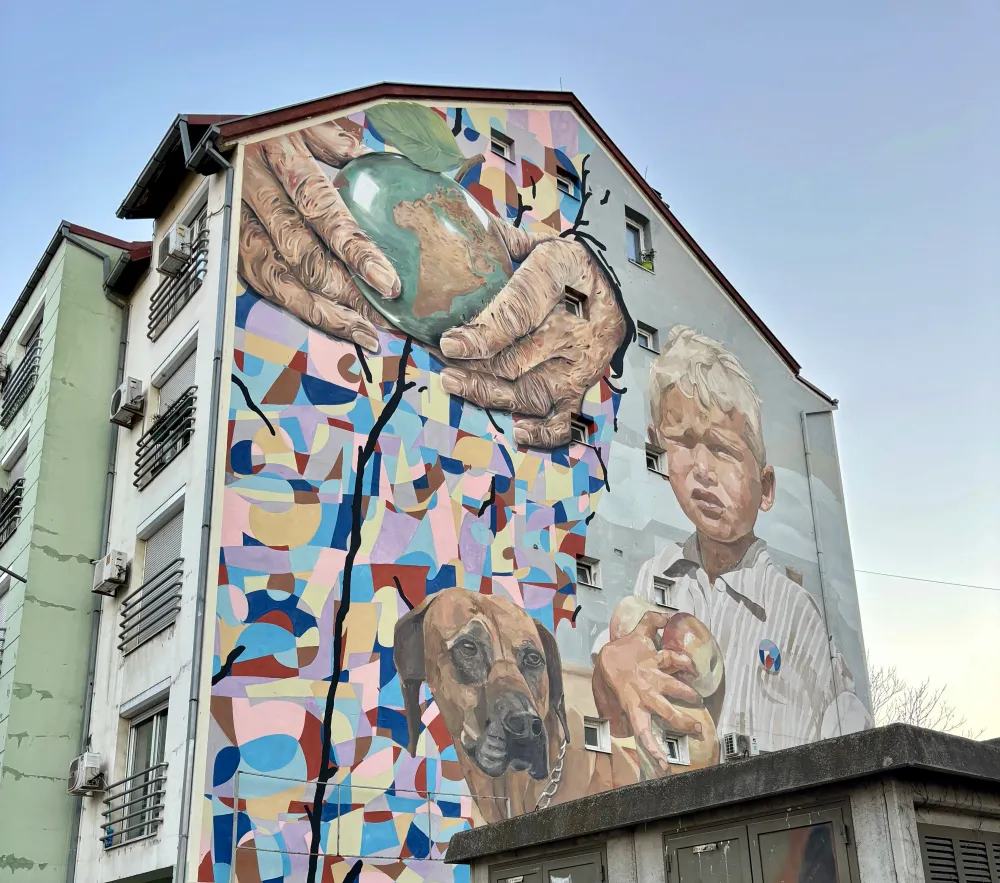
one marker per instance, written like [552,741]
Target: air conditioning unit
[736,746]
[110,573]
[128,402]
[175,250]
[85,775]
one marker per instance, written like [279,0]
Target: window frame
[603,728]
[570,179]
[159,714]
[657,454]
[574,303]
[593,565]
[661,583]
[639,224]
[991,839]
[505,142]
[641,328]
[579,422]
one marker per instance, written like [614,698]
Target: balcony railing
[21,382]
[10,510]
[175,291]
[169,435]
[134,807]
[151,607]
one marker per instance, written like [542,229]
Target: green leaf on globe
[418,133]
[450,259]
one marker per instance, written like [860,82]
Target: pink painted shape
[372,766]
[235,518]
[254,720]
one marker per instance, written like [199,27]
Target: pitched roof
[163,173]
[135,256]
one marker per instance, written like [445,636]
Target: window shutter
[958,855]
[163,547]
[177,383]
[17,468]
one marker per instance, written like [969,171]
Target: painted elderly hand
[524,353]
[633,680]
[298,241]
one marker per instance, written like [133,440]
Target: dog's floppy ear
[408,655]
[553,662]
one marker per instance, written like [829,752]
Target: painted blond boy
[779,685]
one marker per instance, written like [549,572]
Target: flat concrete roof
[898,748]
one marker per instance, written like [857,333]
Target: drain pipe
[820,555]
[187,782]
[95,613]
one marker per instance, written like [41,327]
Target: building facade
[466,485]
[60,349]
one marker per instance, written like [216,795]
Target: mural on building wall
[405,509]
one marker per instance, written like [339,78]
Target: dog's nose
[523,724]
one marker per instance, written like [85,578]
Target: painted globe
[450,261]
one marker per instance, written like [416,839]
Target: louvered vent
[941,859]
[975,861]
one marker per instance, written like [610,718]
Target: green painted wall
[49,620]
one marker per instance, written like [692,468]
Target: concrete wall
[378,503]
[43,682]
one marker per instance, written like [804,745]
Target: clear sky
[838,161]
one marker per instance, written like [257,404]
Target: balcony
[175,291]
[169,435]
[20,383]
[151,608]
[10,510]
[134,807]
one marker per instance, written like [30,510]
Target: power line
[940,582]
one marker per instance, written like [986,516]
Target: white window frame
[676,749]
[632,228]
[653,453]
[188,346]
[650,333]
[662,584]
[574,303]
[502,145]
[579,431]
[568,183]
[160,712]
[603,729]
[593,566]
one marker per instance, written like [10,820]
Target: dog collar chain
[554,779]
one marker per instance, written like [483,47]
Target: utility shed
[897,804]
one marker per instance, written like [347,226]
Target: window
[501,145]
[10,502]
[568,183]
[663,592]
[174,292]
[676,749]
[654,460]
[951,854]
[579,431]
[135,804]
[21,380]
[154,605]
[173,424]
[573,302]
[178,383]
[597,734]
[647,337]
[586,572]
[637,240]
[4,594]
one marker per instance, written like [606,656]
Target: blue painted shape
[418,842]
[321,392]
[244,303]
[378,837]
[394,721]
[269,753]
[241,457]
[227,761]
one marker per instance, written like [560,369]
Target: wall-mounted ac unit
[128,402]
[85,775]
[175,250]
[735,746]
[110,573]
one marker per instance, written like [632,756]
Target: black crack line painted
[328,769]
[363,362]
[604,468]
[492,498]
[533,183]
[585,194]
[575,614]
[399,591]
[456,128]
[521,209]
[252,405]
[589,518]
[227,667]
[614,388]
[606,197]
[496,425]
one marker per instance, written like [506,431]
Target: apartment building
[464,483]
[60,349]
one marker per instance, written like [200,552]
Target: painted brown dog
[495,674]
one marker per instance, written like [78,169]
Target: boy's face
[712,470]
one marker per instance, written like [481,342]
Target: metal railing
[3,642]
[134,807]
[152,607]
[169,435]
[21,382]
[10,510]
[175,291]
